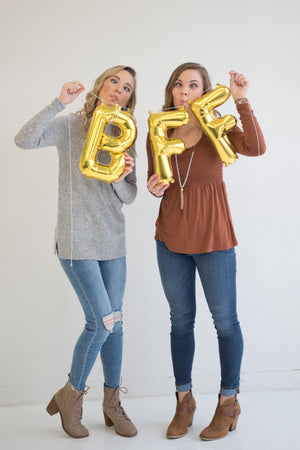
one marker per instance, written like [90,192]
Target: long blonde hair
[176,73]
[91,101]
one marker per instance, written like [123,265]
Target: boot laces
[123,389]
[118,408]
[75,417]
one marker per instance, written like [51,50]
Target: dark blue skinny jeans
[217,271]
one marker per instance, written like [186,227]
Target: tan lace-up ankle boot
[183,416]
[115,415]
[68,402]
[224,420]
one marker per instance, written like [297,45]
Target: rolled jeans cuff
[183,387]
[229,392]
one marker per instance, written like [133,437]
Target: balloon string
[71,194]
[129,109]
[108,103]
[174,107]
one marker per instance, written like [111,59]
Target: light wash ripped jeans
[99,286]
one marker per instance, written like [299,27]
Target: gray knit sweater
[90,222]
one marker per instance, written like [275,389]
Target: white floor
[269,421]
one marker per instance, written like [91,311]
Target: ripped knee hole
[110,319]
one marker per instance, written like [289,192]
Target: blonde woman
[90,242]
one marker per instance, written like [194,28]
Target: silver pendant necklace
[186,177]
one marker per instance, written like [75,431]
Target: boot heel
[108,421]
[234,423]
[52,408]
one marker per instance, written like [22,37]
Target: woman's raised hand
[238,85]
[70,91]
[155,188]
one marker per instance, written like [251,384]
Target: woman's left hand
[238,85]
[129,165]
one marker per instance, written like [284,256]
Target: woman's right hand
[70,91]
[155,187]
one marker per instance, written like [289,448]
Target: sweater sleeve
[43,130]
[249,141]
[126,190]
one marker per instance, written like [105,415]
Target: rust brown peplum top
[204,225]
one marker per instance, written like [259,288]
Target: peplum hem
[204,225]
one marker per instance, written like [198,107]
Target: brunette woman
[194,232]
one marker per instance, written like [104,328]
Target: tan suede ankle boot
[224,420]
[68,402]
[183,416]
[115,415]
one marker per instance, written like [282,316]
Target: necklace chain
[186,176]
[187,172]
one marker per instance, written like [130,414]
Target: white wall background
[44,44]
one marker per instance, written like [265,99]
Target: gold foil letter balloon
[162,147]
[216,128]
[97,139]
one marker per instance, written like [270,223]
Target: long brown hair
[91,101]
[176,73]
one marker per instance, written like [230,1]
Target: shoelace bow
[118,408]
